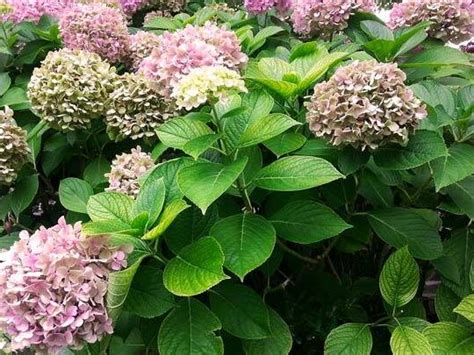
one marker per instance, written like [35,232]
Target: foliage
[255,228]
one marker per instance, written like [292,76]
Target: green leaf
[349,338]
[269,72]
[95,171]
[205,182]
[436,56]
[148,297]
[110,206]
[258,103]
[261,37]
[285,143]
[195,269]
[279,343]
[197,146]
[376,193]
[189,330]
[24,193]
[118,287]
[448,338]
[172,210]
[462,193]
[266,127]
[189,226]
[401,226]
[5,82]
[423,147]
[161,23]
[376,30]
[241,311]
[307,222]
[435,94]
[179,131]
[14,96]
[413,322]
[150,199]
[296,173]
[247,241]
[407,341]
[454,167]
[112,226]
[74,194]
[168,171]
[466,307]
[399,278]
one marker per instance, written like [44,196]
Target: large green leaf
[195,269]
[172,210]
[349,338]
[435,94]
[205,182]
[199,145]
[258,103]
[24,193]
[241,311]
[95,171]
[423,147]
[110,226]
[296,173]
[285,143]
[150,199]
[189,330]
[401,226]
[179,131]
[247,241]
[466,307]
[168,171]
[407,341]
[111,206]
[399,278]
[148,297]
[462,193]
[437,56]
[266,127]
[448,338]
[189,226]
[454,167]
[278,343]
[307,222]
[74,194]
[118,287]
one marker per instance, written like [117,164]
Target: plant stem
[298,255]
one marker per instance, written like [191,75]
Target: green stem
[298,255]
[39,129]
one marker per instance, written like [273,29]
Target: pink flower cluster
[141,46]
[192,47]
[32,10]
[452,20]
[52,288]
[132,6]
[96,28]
[323,17]
[257,7]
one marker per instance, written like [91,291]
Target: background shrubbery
[264,178]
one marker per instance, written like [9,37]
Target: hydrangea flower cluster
[452,19]
[52,288]
[191,47]
[324,17]
[135,109]
[365,104]
[14,150]
[257,7]
[141,46]
[70,88]
[132,6]
[126,170]
[32,10]
[96,28]
[207,84]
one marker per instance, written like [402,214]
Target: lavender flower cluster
[257,7]
[452,20]
[52,288]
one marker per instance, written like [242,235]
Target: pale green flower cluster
[207,84]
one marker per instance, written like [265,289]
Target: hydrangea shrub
[258,177]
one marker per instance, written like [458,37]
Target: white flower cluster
[207,84]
